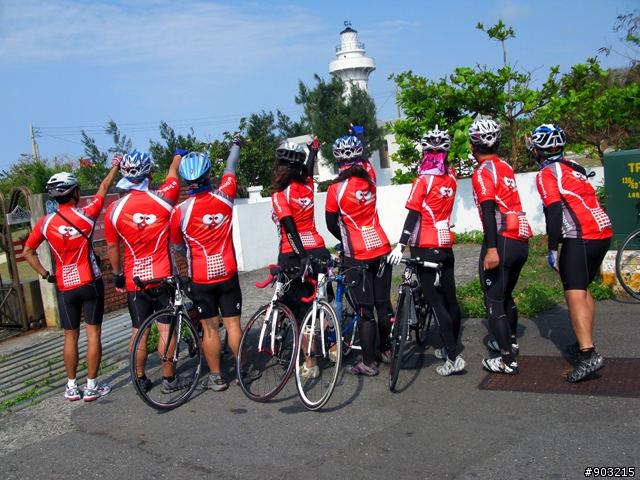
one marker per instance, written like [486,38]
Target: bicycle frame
[271,322]
[340,290]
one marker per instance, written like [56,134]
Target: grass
[26,395]
[51,361]
[4,358]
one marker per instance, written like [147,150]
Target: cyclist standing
[572,212]
[292,196]
[78,277]
[352,217]
[140,220]
[505,247]
[201,230]
[427,229]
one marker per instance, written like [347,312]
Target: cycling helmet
[61,184]
[484,132]
[436,139]
[135,166]
[549,140]
[195,168]
[347,149]
[290,153]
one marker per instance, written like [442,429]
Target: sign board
[19,215]
[98,231]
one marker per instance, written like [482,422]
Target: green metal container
[622,188]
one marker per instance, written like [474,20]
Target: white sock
[91,382]
[71,382]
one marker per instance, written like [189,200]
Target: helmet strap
[200,189]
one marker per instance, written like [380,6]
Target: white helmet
[484,132]
[436,139]
[290,153]
[61,183]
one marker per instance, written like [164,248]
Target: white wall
[256,239]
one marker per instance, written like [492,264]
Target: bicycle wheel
[166,345]
[425,318]
[348,325]
[316,383]
[399,332]
[628,265]
[269,341]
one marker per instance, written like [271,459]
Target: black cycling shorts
[88,298]
[580,261]
[221,298]
[141,308]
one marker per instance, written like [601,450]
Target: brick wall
[114,300]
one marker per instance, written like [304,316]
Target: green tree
[91,173]
[32,173]
[453,101]
[329,110]
[598,109]
[162,153]
[627,26]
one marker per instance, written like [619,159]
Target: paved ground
[432,427]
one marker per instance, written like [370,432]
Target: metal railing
[350,46]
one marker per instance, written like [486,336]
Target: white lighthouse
[352,66]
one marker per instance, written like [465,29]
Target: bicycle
[270,340]
[628,265]
[175,337]
[412,312]
[345,308]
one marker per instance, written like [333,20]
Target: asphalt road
[432,427]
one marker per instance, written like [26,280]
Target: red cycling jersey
[362,235]
[204,223]
[494,180]
[141,220]
[75,263]
[582,215]
[296,201]
[432,196]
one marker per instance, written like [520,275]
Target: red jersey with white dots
[494,180]
[582,215]
[433,196]
[362,235]
[204,223]
[141,221]
[297,201]
[75,263]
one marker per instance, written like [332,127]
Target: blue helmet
[549,141]
[195,168]
[135,166]
[347,150]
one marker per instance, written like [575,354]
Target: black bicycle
[166,348]
[413,312]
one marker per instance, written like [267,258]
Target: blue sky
[68,65]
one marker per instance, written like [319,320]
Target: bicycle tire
[399,332]
[628,267]
[348,326]
[425,318]
[148,340]
[315,392]
[274,366]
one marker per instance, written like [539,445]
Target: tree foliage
[598,109]
[453,101]
[329,110]
[32,173]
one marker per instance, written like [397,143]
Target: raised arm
[234,155]
[313,155]
[108,180]
[175,164]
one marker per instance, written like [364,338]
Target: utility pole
[34,145]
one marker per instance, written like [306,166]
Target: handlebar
[412,262]
[166,282]
[276,270]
